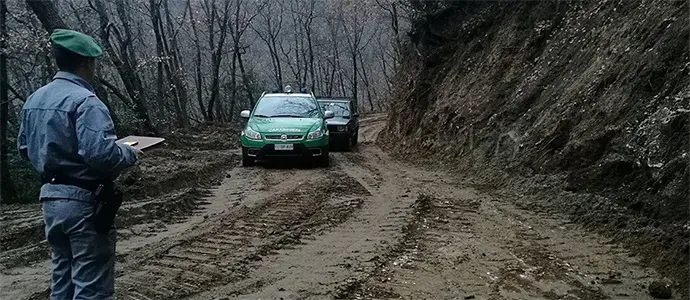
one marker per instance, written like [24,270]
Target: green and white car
[286,125]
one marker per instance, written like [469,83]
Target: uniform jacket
[65,129]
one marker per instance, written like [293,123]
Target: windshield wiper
[286,116]
[262,116]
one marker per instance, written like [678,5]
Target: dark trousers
[83,261]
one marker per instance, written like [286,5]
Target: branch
[116,91]
[16,94]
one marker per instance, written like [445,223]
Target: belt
[89,185]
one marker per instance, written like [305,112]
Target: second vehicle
[344,126]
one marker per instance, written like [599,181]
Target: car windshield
[339,109]
[287,107]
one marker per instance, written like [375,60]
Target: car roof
[287,95]
[333,100]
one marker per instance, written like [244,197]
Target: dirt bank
[577,107]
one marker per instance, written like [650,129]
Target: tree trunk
[245,81]
[47,13]
[233,86]
[177,75]
[216,59]
[270,37]
[154,11]
[198,81]
[365,78]
[102,94]
[166,63]
[354,78]
[311,58]
[279,69]
[6,186]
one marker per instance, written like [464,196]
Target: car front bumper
[340,136]
[262,149]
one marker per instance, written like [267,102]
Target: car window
[339,109]
[287,107]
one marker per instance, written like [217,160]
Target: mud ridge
[362,287]
[185,195]
[225,254]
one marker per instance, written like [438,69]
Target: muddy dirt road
[369,227]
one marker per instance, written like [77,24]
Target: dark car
[344,126]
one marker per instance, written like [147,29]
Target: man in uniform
[67,134]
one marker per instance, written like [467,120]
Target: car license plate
[284,147]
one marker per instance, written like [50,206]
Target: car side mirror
[328,114]
[245,114]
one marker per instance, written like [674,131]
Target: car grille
[333,128]
[279,137]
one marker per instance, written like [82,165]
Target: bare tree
[177,72]
[391,7]
[354,32]
[242,20]
[168,60]
[269,32]
[125,59]
[212,14]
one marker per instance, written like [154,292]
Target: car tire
[325,159]
[347,144]
[356,139]
[247,161]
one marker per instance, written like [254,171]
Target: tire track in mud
[316,267]
[470,247]
[460,244]
[417,267]
[170,200]
[24,223]
[223,254]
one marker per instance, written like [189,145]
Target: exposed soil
[367,227]
[165,188]
[574,107]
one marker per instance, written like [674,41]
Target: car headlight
[342,128]
[315,134]
[252,134]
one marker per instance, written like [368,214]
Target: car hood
[337,121]
[284,125]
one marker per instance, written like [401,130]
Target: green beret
[76,42]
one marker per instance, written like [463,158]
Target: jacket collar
[73,78]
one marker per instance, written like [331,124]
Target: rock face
[594,93]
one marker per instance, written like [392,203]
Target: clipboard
[141,142]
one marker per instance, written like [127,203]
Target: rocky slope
[581,107]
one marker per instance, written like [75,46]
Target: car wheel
[247,161]
[347,144]
[325,159]
[356,139]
